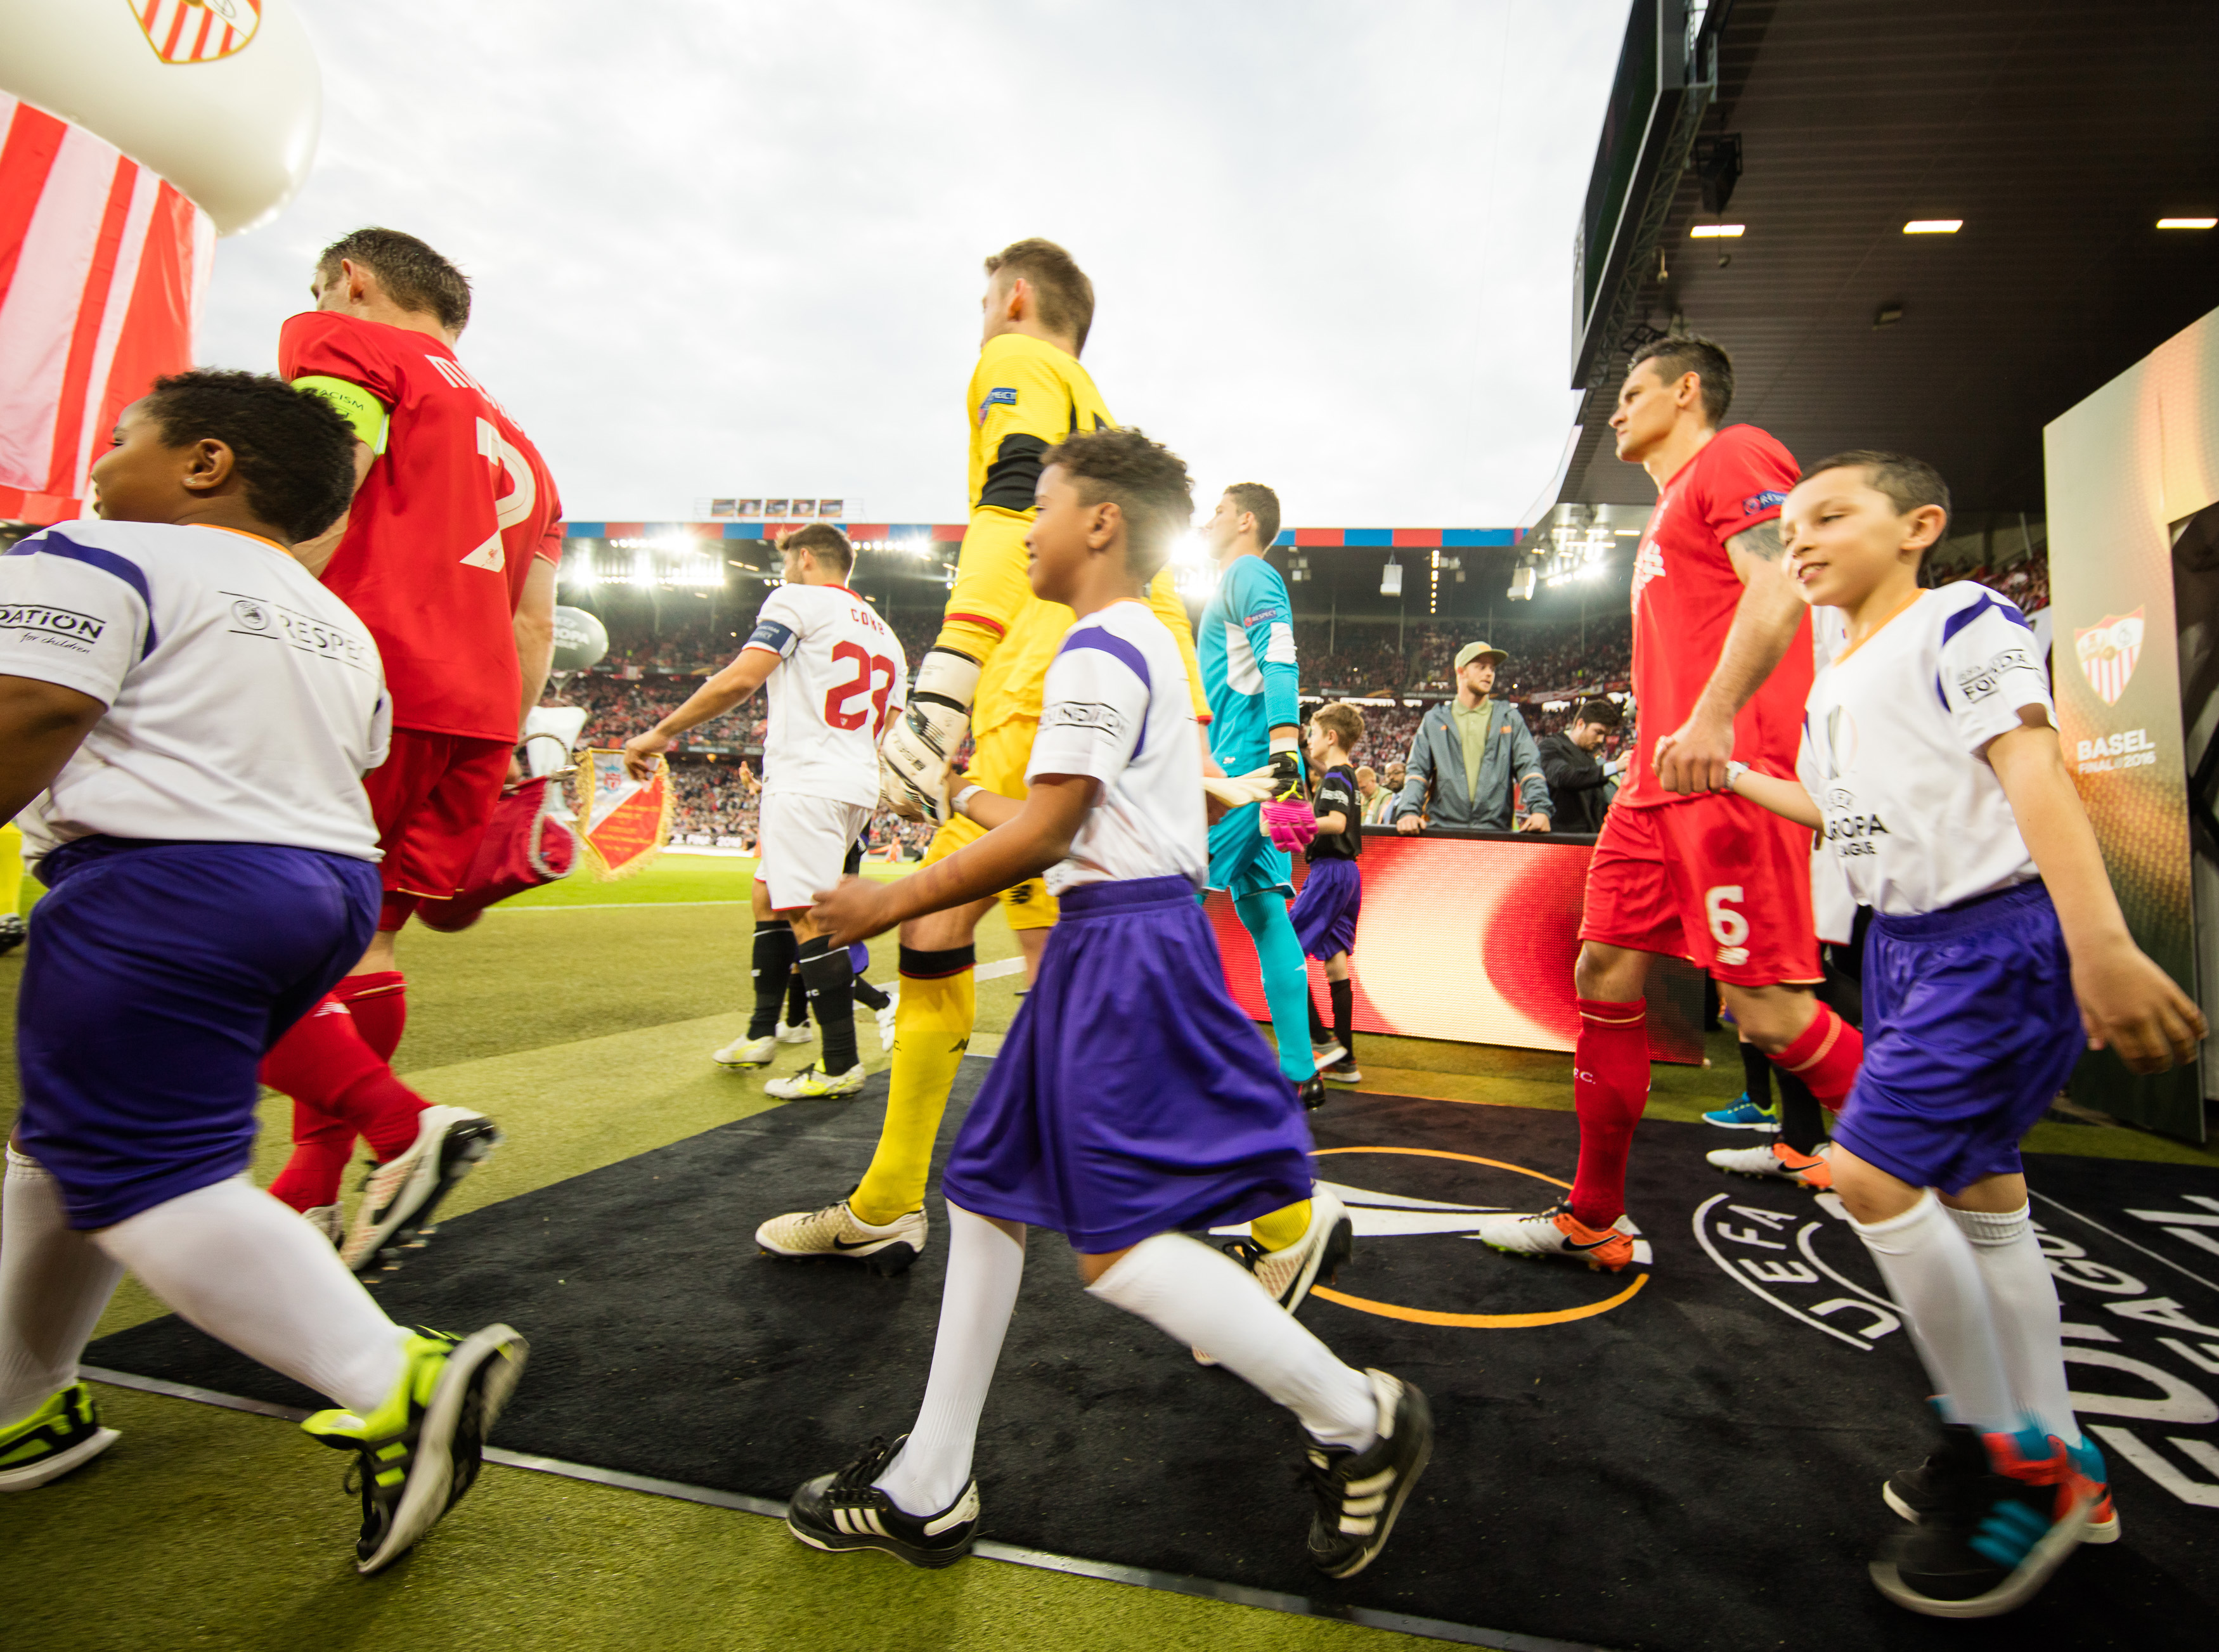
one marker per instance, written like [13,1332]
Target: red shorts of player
[431,797]
[1714,880]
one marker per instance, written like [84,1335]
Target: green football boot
[55,1438]
[419,1453]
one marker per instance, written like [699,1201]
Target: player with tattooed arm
[1722,659]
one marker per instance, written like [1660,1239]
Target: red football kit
[1713,877]
[442,530]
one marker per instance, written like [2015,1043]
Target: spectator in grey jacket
[1580,782]
[1477,757]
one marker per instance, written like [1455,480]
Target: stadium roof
[2057,132]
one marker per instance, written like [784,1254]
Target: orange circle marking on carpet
[1470,1322]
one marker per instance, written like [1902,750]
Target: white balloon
[235,130]
[580,640]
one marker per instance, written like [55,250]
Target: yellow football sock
[11,867]
[932,1028]
[1282,1228]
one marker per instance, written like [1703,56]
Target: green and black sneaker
[419,1453]
[53,1440]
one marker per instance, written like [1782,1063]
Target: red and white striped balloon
[102,266]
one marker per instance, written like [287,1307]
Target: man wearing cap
[1477,757]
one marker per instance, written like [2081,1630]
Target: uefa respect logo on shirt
[252,616]
[42,623]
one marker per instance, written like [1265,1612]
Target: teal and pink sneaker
[2005,1510]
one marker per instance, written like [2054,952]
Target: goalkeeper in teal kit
[1246,641]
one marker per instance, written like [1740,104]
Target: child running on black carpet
[1133,1102]
[185,716]
[1331,896]
[1997,950]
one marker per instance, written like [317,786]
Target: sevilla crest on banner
[626,821]
[2108,650]
[196,31]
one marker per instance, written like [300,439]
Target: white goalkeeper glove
[921,743]
[1231,792]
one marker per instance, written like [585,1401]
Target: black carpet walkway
[1684,1455]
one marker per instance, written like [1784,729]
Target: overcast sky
[728,247]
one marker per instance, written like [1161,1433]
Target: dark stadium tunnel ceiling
[2059,131]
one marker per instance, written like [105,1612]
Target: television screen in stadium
[1471,940]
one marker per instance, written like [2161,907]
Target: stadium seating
[1552,668]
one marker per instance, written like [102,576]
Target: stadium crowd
[1551,668]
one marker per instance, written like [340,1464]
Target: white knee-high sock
[54,1281]
[1207,1301]
[1930,1270]
[984,1266]
[2023,1301]
[249,1271]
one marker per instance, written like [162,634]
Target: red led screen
[1472,941]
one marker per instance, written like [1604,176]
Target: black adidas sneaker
[1360,1493]
[843,1511]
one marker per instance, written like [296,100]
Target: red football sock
[1825,1057]
[379,1003]
[325,1062]
[322,1146]
[1610,1088]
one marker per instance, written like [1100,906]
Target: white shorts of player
[805,843]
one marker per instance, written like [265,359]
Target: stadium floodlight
[1194,570]
[2188,223]
[1717,231]
[1933,227]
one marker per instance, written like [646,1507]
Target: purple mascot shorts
[1971,1029]
[1326,910]
[1131,1097]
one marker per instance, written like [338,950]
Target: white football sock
[250,1272]
[54,1281]
[2023,1301]
[1205,1299]
[984,1266]
[1930,1271]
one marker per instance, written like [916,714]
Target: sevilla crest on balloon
[196,31]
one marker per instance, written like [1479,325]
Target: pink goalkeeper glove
[1290,826]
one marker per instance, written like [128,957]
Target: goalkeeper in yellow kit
[984,676]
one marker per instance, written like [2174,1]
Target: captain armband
[364,413]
